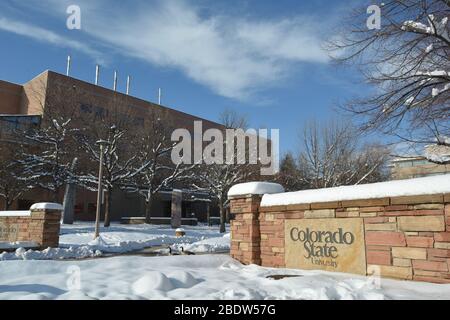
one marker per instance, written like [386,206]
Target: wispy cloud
[235,57]
[48,36]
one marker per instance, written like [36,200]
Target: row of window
[10,125]
[412,163]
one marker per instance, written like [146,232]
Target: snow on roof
[411,158]
[46,206]
[258,188]
[419,186]
[437,153]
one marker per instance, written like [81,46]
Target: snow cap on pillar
[255,188]
[47,206]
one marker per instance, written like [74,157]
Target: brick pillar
[245,234]
[45,225]
[447,213]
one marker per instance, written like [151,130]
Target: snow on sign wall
[39,226]
[398,229]
[255,188]
[399,188]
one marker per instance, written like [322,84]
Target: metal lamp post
[102,144]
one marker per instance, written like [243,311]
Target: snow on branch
[434,28]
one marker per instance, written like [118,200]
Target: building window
[405,164]
[420,162]
[15,123]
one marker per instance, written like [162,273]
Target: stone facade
[245,230]
[41,226]
[405,237]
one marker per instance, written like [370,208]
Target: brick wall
[10,95]
[42,226]
[245,230]
[406,237]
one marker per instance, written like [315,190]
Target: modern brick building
[29,104]
[416,167]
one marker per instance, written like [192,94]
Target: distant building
[415,167]
[26,106]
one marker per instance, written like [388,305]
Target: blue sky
[262,58]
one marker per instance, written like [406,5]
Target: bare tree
[233,120]
[332,156]
[408,61]
[290,176]
[158,171]
[11,187]
[45,158]
[217,179]
[46,150]
[118,126]
[120,163]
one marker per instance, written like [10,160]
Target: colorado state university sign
[327,244]
[8,232]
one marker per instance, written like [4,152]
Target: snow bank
[206,277]
[419,186]
[258,188]
[51,254]
[76,241]
[210,245]
[156,280]
[17,245]
[47,206]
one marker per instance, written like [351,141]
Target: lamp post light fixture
[102,144]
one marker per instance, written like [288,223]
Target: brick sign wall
[40,226]
[403,237]
[9,231]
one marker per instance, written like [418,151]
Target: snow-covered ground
[76,241]
[46,275]
[191,277]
